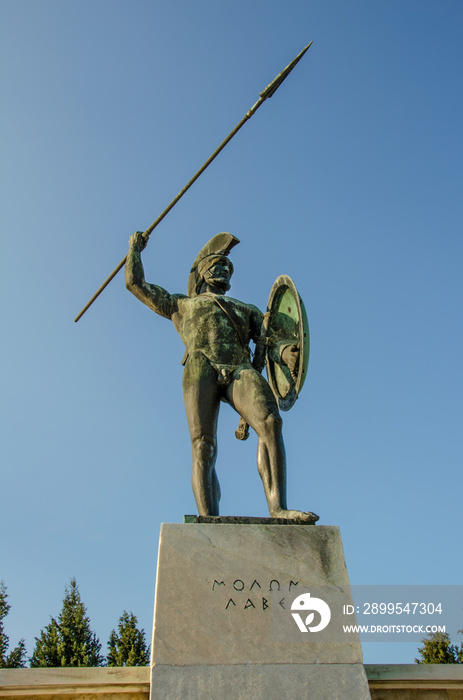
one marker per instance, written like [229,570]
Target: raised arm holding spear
[266,93]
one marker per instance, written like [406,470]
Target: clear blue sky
[349,180]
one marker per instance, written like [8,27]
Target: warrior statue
[216,330]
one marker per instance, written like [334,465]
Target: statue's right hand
[137,241]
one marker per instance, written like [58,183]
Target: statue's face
[220,270]
[219,274]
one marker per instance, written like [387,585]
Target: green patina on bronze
[288,323]
[216,331]
[241,520]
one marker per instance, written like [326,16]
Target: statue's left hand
[290,357]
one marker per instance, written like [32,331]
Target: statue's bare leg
[202,401]
[252,397]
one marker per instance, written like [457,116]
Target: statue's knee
[204,448]
[273,424]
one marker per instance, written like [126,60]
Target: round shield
[287,325]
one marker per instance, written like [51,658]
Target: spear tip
[276,82]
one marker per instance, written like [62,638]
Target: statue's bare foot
[298,515]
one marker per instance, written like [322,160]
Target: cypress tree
[438,649]
[68,640]
[128,647]
[459,652]
[17,657]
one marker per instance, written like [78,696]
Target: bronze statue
[216,330]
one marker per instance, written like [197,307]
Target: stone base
[223,625]
[262,682]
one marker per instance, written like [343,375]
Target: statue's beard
[218,282]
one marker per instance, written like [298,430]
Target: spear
[267,92]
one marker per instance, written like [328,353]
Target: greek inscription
[240,585]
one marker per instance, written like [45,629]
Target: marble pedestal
[223,626]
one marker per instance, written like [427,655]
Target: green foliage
[438,649]
[460,651]
[68,641]
[128,647]
[17,657]
[47,652]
